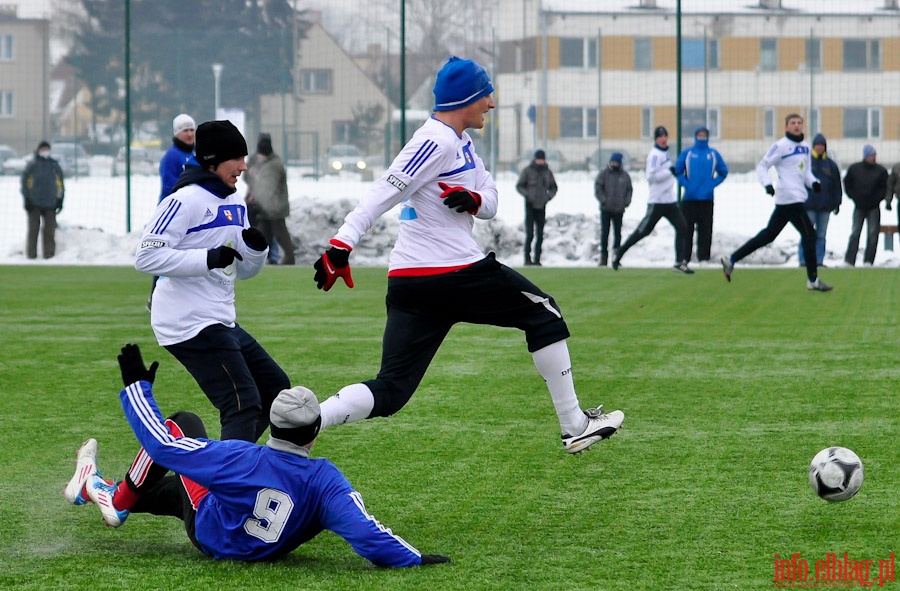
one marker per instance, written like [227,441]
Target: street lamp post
[217,74]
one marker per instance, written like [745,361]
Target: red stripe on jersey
[426,271]
[195,491]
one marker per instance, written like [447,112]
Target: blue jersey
[262,503]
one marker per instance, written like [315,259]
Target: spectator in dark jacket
[700,169]
[893,188]
[866,184]
[267,193]
[820,205]
[612,188]
[537,185]
[43,191]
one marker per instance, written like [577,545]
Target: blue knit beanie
[459,83]
[868,151]
[616,157]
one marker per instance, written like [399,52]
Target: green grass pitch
[729,390]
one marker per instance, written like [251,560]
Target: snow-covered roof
[803,7]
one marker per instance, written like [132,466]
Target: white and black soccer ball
[835,474]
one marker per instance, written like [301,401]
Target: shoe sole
[83,471]
[586,443]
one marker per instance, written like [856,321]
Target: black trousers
[534,229]
[795,213]
[698,214]
[237,375]
[165,494]
[608,219]
[421,311]
[655,212]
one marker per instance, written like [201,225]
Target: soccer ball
[835,474]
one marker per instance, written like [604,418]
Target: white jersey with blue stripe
[792,163]
[189,296]
[431,235]
[660,180]
[262,503]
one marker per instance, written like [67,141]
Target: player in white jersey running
[438,275]
[791,159]
[200,241]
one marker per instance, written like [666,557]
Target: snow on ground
[92,226]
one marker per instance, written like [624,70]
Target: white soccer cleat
[101,494]
[85,466]
[600,426]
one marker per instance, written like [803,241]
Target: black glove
[672,170]
[219,258]
[817,186]
[887,205]
[434,559]
[837,210]
[132,365]
[255,239]
[59,205]
[770,190]
[460,198]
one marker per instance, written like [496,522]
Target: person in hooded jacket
[43,191]
[199,242]
[267,191]
[866,184]
[537,185]
[612,188]
[820,205]
[700,169]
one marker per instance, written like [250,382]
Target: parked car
[8,154]
[72,158]
[143,161]
[344,157]
[554,159]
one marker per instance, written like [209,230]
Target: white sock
[352,403]
[555,367]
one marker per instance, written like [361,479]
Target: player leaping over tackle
[438,275]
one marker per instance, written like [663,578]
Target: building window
[6,48]
[697,54]
[691,119]
[315,81]
[768,122]
[577,122]
[577,52]
[862,123]
[643,53]
[647,123]
[343,132]
[768,54]
[7,108]
[862,54]
[814,55]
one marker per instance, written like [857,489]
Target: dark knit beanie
[218,141]
[264,144]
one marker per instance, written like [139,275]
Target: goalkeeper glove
[460,198]
[334,263]
[434,559]
[221,257]
[132,365]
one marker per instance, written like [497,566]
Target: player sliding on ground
[238,500]
[438,275]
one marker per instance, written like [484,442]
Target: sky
[92,225]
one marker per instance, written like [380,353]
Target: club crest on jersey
[396,182]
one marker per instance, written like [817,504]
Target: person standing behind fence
[820,205]
[267,193]
[700,169]
[893,188]
[537,185]
[43,190]
[612,188]
[661,203]
[866,184]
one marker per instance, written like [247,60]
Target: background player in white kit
[438,275]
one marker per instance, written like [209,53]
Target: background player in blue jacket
[700,169]
[238,500]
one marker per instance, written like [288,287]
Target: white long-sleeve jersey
[189,296]
[660,180]
[433,238]
[792,163]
